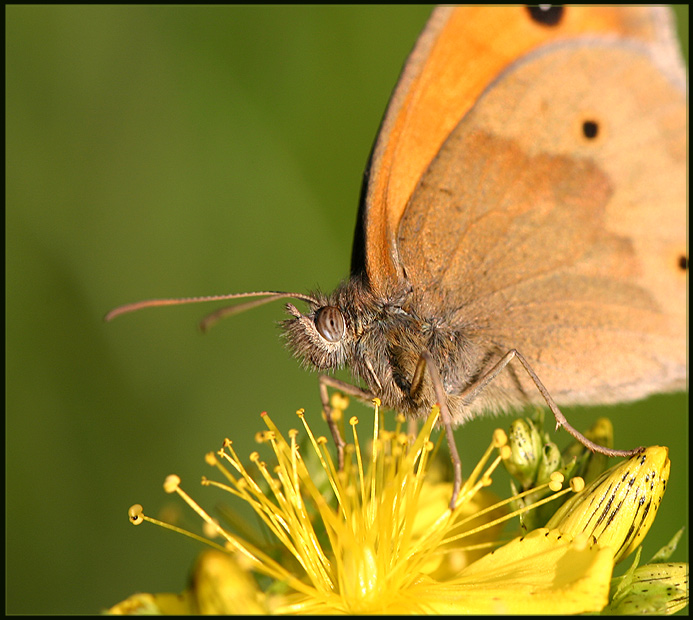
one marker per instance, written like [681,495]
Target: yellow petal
[544,572]
[452,557]
[154,604]
[222,586]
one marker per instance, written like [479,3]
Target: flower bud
[618,508]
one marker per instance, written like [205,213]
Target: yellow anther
[500,438]
[556,481]
[135,514]
[577,484]
[339,401]
[171,483]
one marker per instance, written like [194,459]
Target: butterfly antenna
[212,318]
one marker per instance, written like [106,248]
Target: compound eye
[330,323]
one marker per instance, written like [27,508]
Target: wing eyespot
[546,15]
[683,262]
[590,129]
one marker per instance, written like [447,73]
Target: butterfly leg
[473,391]
[347,388]
[426,362]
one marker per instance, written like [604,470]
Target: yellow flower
[380,538]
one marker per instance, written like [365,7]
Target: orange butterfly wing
[460,52]
[562,248]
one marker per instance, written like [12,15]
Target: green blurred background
[179,151]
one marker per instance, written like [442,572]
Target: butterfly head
[322,337]
[327,337]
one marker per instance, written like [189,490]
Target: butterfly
[521,233]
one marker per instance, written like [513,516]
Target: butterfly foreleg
[347,388]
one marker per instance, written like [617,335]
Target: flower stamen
[387,541]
